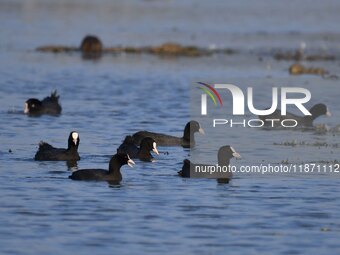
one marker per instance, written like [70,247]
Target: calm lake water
[154,211]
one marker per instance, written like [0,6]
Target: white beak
[155,149]
[26,108]
[236,155]
[75,142]
[201,131]
[130,163]
[328,113]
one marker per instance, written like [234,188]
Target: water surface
[154,211]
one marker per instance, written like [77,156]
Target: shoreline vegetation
[91,44]
[91,47]
[169,48]
[176,49]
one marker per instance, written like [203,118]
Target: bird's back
[51,104]
[129,147]
[49,153]
[160,139]
[90,174]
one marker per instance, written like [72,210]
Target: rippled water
[154,211]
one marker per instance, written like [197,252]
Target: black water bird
[302,121]
[47,152]
[225,153]
[49,105]
[113,175]
[143,152]
[187,140]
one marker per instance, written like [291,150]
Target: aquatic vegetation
[92,44]
[297,69]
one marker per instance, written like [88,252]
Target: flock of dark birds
[139,145]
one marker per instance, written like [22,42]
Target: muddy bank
[92,45]
[176,49]
[166,49]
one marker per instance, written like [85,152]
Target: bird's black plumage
[303,121]
[187,140]
[113,175]
[47,152]
[143,152]
[225,153]
[49,105]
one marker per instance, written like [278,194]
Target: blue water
[154,211]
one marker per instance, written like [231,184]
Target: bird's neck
[114,169]
[72,147]
[223,161]
[309,119]
[144,153]
[187,135]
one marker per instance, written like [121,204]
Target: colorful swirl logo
[211,92]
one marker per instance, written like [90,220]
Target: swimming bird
[225,153]
[47,152]
[188,139]
[49,105]
[306,121]
[143,152]
[91,44]
[91,48]
[113,175]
